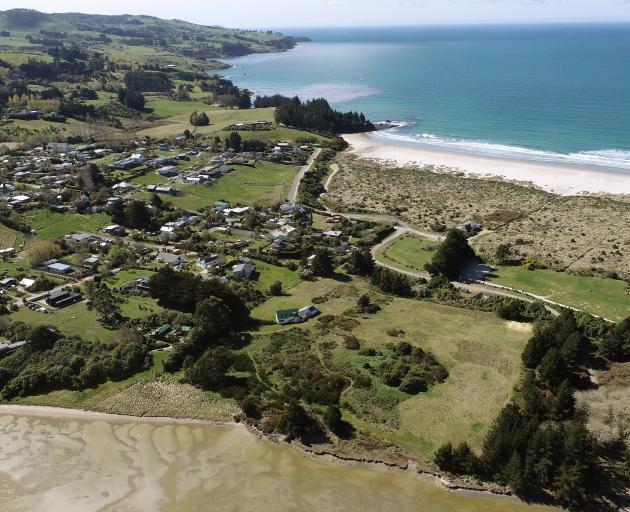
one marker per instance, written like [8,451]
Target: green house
[160,332]
[287,316]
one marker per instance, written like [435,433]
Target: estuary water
[554,93]
[108,464]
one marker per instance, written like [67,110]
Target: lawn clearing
[268,274]
[50,226]
[77,320]
[264,185]
[596,295]
[408,253]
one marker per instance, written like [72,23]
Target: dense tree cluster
[183,291]
[199,119]
[392,282]
[148,81]
[452,256]
[539,444]
[311,186]
[314,115]
[133,215]
[409,368]
[50,362]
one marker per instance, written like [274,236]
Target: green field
[264,185]
[50,225]
[10,237]
[151,178]
[126,276]
[268,274]
[596,295]
[482,354]
[76,320]
[408,252]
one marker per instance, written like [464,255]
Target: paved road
[305,168]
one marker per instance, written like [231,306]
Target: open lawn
[126,276]
[268,274]
[50,226]
[150,178]
[596,295]
[76,320]
[408,252]
[482,354]
[264,185]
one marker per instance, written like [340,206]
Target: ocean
[553,93]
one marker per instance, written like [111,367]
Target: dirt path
[293,191]
[335,169]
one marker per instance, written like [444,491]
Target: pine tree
[564,402]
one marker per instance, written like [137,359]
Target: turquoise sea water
[551,93]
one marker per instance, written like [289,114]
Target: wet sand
[61,460]
[564,180]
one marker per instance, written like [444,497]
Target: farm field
[264,185]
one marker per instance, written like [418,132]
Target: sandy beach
[564,180]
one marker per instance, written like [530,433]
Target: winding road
[293,191]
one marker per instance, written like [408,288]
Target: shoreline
[452,484]
[560,179]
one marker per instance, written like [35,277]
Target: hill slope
[115,35]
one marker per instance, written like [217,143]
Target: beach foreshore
[452,483]
[560,179]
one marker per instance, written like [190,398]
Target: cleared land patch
[264,185]
[408,252]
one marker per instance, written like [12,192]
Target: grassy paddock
[597,295]
[265,185]
[482,355]
[408,252]
[50,226]
[77,320]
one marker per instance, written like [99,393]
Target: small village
[118,221]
